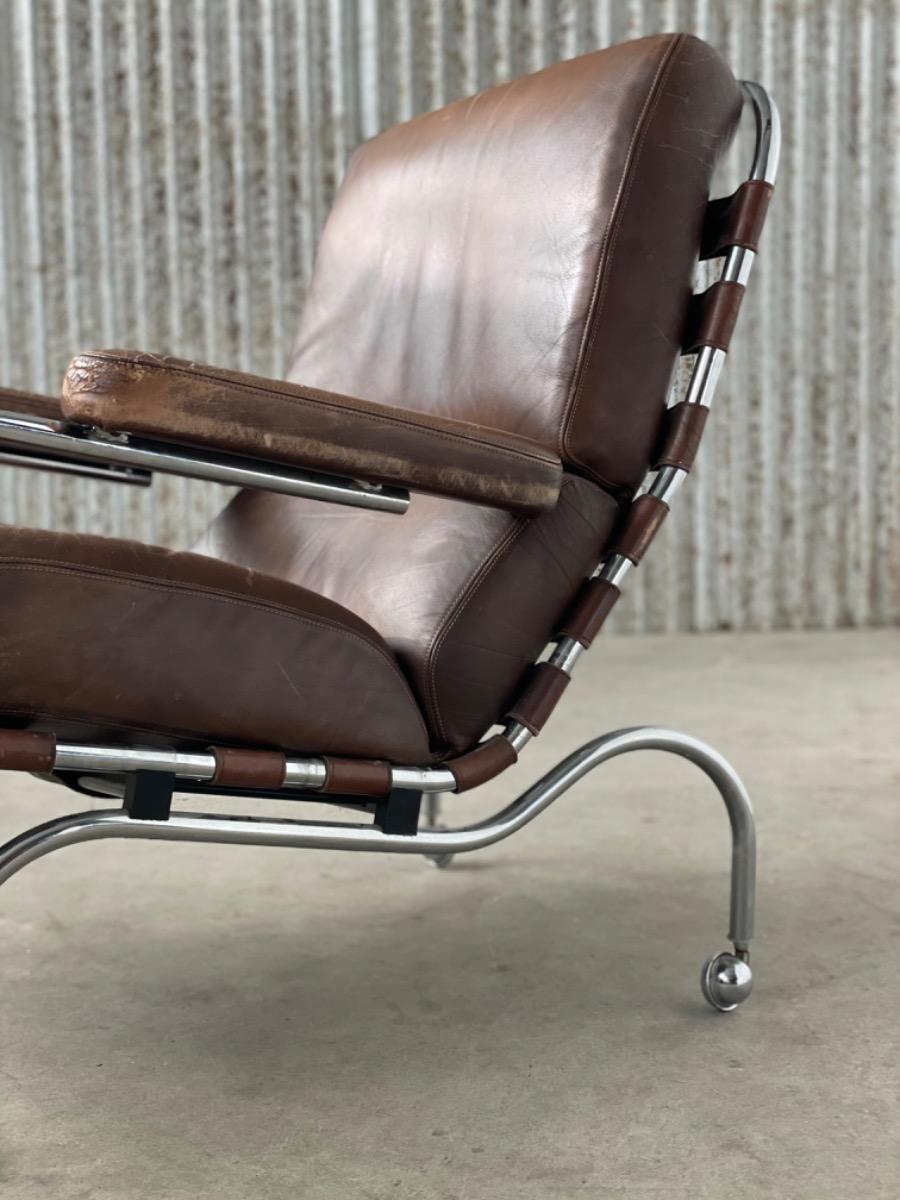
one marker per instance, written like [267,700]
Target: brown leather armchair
[501,293]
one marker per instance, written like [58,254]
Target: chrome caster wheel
[726,981]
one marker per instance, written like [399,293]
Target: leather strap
[683,427]
[540,696]
[592,606]
[357,777]
[641,524]
[712,316]
[24,751]
[237,767]
[736,220]
[483,763]
[30,404]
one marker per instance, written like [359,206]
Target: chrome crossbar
[29,442]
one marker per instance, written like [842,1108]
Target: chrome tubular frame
[306,774]
[257,831]
[29,442]
[726,978]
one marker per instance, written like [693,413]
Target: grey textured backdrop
[167,165]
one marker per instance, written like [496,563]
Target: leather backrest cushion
[465,596]
[523,259]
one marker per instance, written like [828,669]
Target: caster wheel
[441,861]
[726,981]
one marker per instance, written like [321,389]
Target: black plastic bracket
[148,795]
[398,812]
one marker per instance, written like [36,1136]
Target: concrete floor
[185,1022]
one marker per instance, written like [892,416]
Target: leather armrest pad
[168,399]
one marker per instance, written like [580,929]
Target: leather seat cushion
[465,596]
[117,636]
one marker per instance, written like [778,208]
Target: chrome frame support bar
[32,437]
[74,756]
[268,831]
[306,773]
[708,364]
[62,466]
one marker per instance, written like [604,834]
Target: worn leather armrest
[168,399]
[30,404]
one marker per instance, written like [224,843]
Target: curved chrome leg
[52,835]
[725,984]
[433,822]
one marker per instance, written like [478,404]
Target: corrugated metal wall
[167,165]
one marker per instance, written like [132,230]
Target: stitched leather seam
[106,719]
[88,569]
[586,336]
[49,567]
[61,567]
[464,596]
[145,727]
[319,399]
[610,237]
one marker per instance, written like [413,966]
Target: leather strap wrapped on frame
[483,763]
[641,524]
[24,751]
[356,777]
[736,220]
[712,316]
[592,606]
[539,697]
[683,427]
[239,768]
